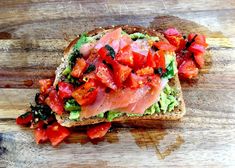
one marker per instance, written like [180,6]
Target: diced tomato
[55,102]
[153,80]
[121,72]
[174,40]
[188,69]
[40,135]
[45,86]
[98,131]
[134,81]
[86,94]
[181,45]
[162,45]
[106,55]
[150,60]
[160,59]
[145,71]
[139,60]
[105,76]
[172,32]
[199,60]
[65,90]
[79,67]
[125,56]
[24,119]
[181,56]
[199,39]
[197,48]
[56,133]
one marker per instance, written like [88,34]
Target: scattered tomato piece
[99,130]
[55,102]
[145,71]
[125,56]
[162,45]
[188,69]
[199,59]
[65,90]
[86,94]
[40,135]
[56,133]
[45,86]
[160,59]
[121,73]
[139,60]
[105,75]
[24,119]
[197,48]
[79,67]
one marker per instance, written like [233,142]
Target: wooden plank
[146,148]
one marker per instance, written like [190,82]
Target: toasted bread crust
[132,120]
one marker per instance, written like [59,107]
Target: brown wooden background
[33,35]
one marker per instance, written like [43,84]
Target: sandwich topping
[114,74]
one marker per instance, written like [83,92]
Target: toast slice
[176,114]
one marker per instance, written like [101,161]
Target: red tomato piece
[160,59]
[56,133]
[40,135]
[180,57]
[181,45]
[153,80]
[145,71]
[139,60]
[150,60]
[86,94]
[174,40]
[199,39]
[172,32]
[65,90]
[45,86]
[199,60]
[188,69]
[79,67]
[105,55]
[24,119]
[105,76]
[162,45]
[99,130]
[55,102]
[121,73]
[134,81]
[197,48]
[125,56]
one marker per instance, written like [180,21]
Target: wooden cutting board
[33,35]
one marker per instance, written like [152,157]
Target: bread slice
[176,114]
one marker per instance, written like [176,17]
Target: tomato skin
[139,60]
[160,59]
[150,60]
[24,119]
[121,73]
[86,94]
[171,32]
[55,102]
[153,80]
[145,71]
[162,45]
[99,130]
[79,67]
[199,59]
[105,76]
[40,135]
[56,133]
[197,48]
[134,81]
[65,90]
[188,69]
[45,86]
[199,39]
[125,56]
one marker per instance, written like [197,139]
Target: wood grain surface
[33,35]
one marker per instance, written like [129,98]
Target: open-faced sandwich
[113,74]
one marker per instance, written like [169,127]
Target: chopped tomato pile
[189,52]
[116,72]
